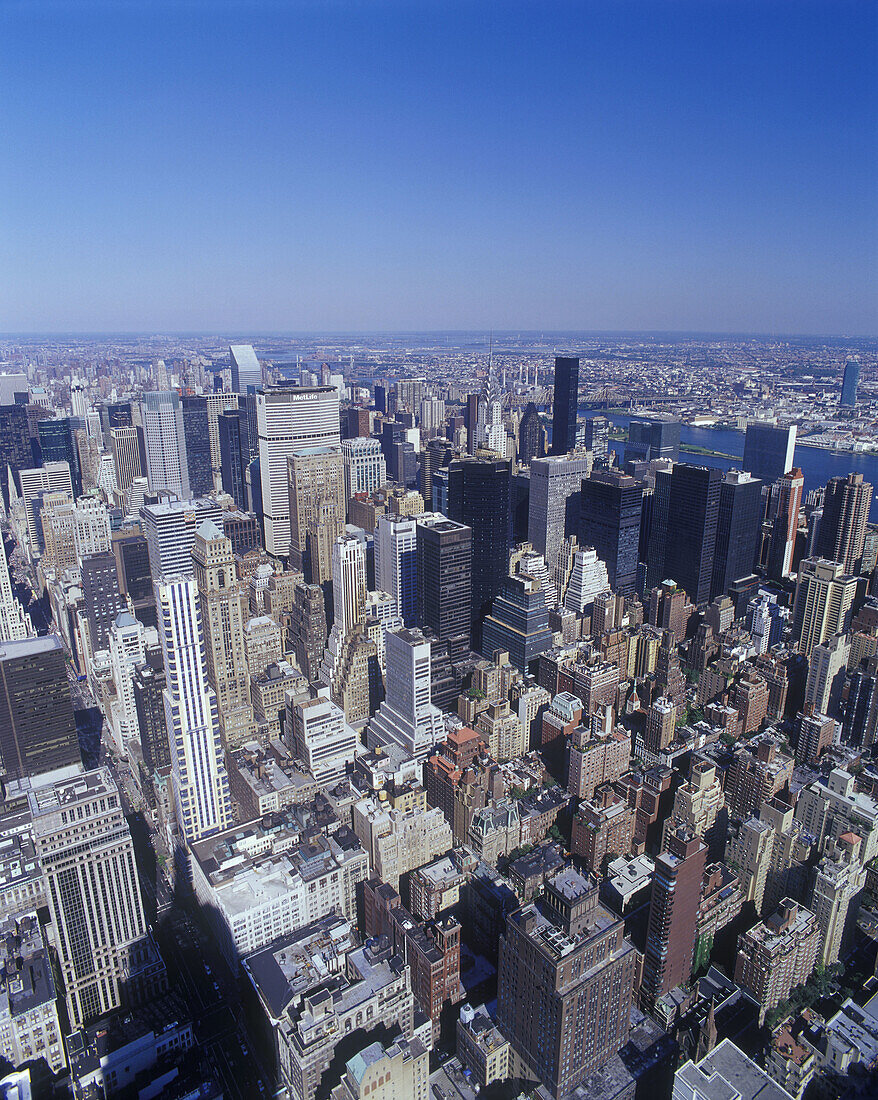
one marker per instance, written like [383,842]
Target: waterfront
[817,465]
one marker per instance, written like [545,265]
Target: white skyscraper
[165,443]
[320,736]
[289,418]
[364,467]
[246,368]
[407,717]
[53,477]
[201,784]
[348,582]
[92,531]
[78,398]
[396,562]
[15,623]
[169,529]
[126,653]
[553,481]
[588,579]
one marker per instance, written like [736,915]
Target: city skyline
[594,167]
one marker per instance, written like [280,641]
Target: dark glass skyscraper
[518,623]
[850,382]
[472,421]
[530,436]
[444,557]
[149,683]
[478,495]
[565,404]
[196,431]
[769,451]
[37,726]
[15,449]
[609,520]
[101,596]
[655,438]
[842,532]
[737,531]
[682,540]
[234,454]
[58,445]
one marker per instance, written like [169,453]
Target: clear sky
[331,165]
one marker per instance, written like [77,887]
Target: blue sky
[331,165]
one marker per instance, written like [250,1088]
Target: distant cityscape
[439,715]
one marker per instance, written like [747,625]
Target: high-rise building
[785,502]
[478,496]
[169,528]
[37,726]
[565,982]
[114,414]
[317,507]
[778,954]
[682,540]
[58,445]
[824,596]
[15,449]
[826,674]
[842,532]
[474,410]
[246,368]
[234,454]
[555,483]
[127,651]
[530,436]
[320,736]
[396,562]
[365,469]
[654,438]
[289,419]
[769,450]
[307,628]
[565,404]
[518,623]
[196,431]
[673,911]
[850,381]
[148,684]
[165,443]
[597,436]
[610,505]
[84,846]
[737,530]
[200,781]
[126,446]
[15,622]
[102,598]
[407,717]
[224,611]
[54,477]
[135,580]
[444,556]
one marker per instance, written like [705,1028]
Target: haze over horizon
[416,167]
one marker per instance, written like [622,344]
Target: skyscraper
[682,539]
[597,436]
[737,530]
[58,445]
[565,404]
[317,507]
[478,496]
[518,622]
[196,430]
[842,532]
[786,501]
[148,684]
[396,562]
[246,368]
[224,611]
[87,856]
[555,484]
[365,469]
[234,454]
[769,450]
[348,583]
[407,717]
[165,443]
[15,622]
[850,382]
[610,504]
[169,528]
[653,438]
[824,595]
[673,909]
[200,781]
[15,450]
[530,435]
[102,598]
[565,982]
[290,419]
[37,726]
[444,556]
[126,455]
